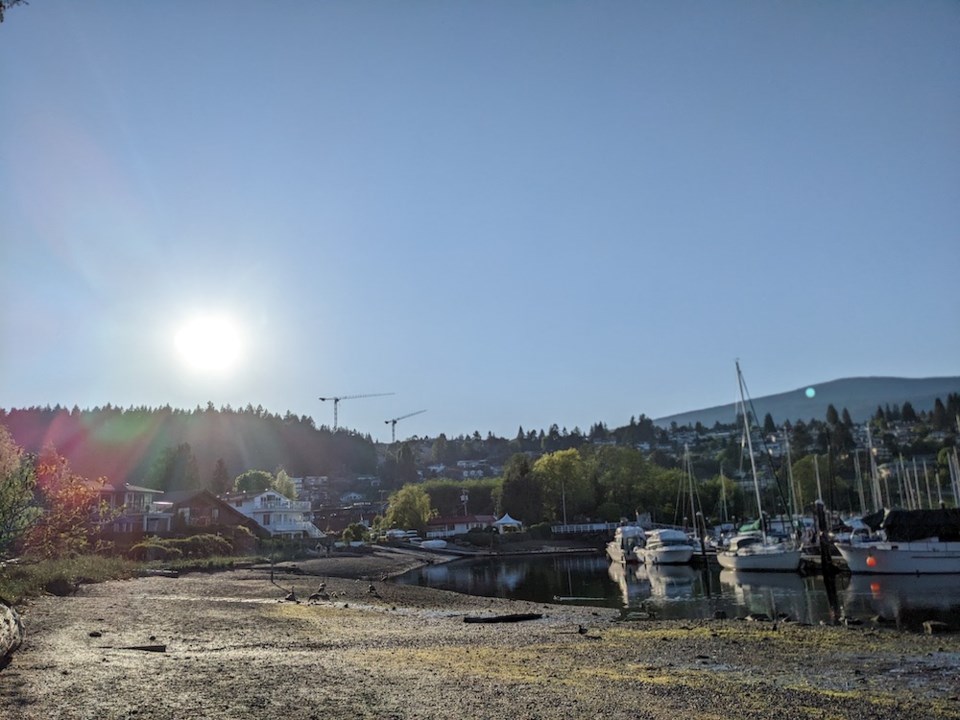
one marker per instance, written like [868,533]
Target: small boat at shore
[626,539]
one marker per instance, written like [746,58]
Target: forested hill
[132,445]
[861,396]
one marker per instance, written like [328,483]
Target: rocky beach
[238,645]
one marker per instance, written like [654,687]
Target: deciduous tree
[17,509]
[409,507]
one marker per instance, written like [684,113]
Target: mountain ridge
[859,395]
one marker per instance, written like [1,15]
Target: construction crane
[393,423]
[336,402]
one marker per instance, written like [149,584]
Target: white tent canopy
[507,522]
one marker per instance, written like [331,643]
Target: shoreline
[233,648]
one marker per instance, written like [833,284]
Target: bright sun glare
[209,343]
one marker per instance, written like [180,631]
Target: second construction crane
[393,423]
[336,402]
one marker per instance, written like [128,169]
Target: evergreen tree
[768,425]
[220,480]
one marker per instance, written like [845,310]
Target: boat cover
[909,525]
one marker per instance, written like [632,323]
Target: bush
[540,531]
[147,551]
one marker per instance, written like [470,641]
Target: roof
[507,520]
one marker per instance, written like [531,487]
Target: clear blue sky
[506,213]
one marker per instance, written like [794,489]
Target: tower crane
[336,402]
[393,423]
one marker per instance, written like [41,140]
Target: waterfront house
[278,515]
[444,527]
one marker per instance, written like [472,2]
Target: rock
[720,615]
[61,587]
[11,631]
[95,634]
[935,627]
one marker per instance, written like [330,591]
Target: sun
[210,343]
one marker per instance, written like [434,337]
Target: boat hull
[902,558]
[665,556]
[760,559]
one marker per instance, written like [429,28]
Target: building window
[266,518]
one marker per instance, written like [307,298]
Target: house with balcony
[276,514]
[134,510]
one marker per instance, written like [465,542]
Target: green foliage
[73,509]
[17,480]
[148,551]
[284,485]
[445,495]
[355,532]
[409,507]
[253,481]
[564,481]
[220,480]
[175,469]
[18,582]
[520,494]
[195,546]
[540,531]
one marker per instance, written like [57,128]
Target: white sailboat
[754,552]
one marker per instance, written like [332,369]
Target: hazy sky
[506,213]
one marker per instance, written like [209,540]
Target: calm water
[684,592]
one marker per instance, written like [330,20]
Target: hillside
[860,396]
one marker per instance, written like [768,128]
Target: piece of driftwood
[144,648]
[11,631]
[513,617]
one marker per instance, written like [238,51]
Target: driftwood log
[514,617]
[11,631]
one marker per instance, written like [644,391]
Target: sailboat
[754,551]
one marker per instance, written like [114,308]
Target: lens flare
[810,392]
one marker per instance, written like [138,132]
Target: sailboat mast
[753,464]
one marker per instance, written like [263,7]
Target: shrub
[146,551]
[540,531]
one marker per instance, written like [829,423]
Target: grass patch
[23,580]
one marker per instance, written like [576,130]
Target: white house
[443,527]
[276,514]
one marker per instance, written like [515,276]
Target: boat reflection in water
[670,581]
[682,592]
[633,588]
[907,600]
[775,594]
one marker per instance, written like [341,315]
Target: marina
[675,592]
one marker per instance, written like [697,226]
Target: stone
[935,627]
[11,631]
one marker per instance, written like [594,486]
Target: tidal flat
[234,647]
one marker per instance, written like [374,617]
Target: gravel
[233,647]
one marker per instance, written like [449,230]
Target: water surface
[684,592]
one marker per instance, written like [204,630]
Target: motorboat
[666,547]
[626,538]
